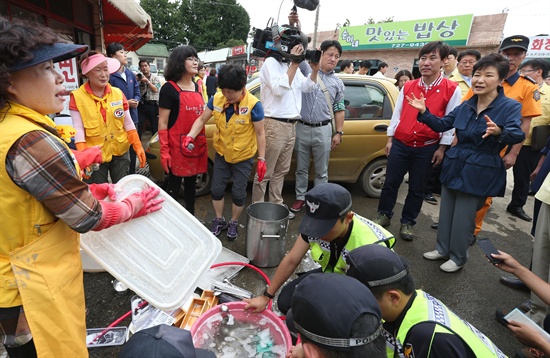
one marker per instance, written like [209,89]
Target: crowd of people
[471,116]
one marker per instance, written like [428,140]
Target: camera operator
[314,132]
[281,95]
[149,86]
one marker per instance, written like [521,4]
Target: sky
[526,17]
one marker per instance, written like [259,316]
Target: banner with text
[539,46]
[454,30]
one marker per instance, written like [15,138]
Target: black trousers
[148,111]
[189,190]
[526,162]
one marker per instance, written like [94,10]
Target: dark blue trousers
[402,159]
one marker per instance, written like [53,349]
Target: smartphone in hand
[488,248]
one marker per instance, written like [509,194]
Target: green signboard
[454,30]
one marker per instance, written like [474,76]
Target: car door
[367,115]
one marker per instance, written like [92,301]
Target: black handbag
[539,137]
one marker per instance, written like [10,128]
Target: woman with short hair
[472,169]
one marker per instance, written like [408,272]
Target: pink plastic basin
[278,329]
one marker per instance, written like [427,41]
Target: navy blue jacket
[474,165]
[130,88]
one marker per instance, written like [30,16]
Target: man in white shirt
[382,68]
[281,95]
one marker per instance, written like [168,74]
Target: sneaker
[530,353]
[297,206]
[232,231]
[435,225]
[526,306]
[433,255]
[291,215]
[430,199]
[218,225]
[450,267]
[406,232]
[383,220]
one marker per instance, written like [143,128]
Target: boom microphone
[307,4]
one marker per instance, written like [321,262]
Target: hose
[230,263]
[238,263]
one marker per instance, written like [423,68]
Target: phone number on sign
[410,44]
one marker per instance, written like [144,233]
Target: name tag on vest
[116,103]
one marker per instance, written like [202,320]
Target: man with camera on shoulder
[281,95]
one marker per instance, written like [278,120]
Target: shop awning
[126,22]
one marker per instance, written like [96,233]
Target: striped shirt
[40,164]
[314,103]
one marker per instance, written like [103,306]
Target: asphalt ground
[473,293]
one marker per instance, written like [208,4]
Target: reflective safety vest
[40,263]
[235,139]
[364,232]
[426,308]
[110,135]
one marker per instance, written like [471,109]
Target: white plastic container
[160,256]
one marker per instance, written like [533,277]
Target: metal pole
[315,26]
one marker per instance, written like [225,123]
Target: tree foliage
[206,24]
[371,21]
[167,22]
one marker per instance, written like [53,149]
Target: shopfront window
[63,8]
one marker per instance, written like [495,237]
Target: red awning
[126,22]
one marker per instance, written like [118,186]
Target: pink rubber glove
[102,191]
[188,144]
[88,156]
[261,169]
[134,206]
[165,158]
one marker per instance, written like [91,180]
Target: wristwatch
[340,132]
[268,295]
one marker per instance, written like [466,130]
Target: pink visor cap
[94,60]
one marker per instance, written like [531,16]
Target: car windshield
[153,68]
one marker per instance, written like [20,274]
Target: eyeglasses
[192,59]
[527,71]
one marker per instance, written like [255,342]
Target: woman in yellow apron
[43,202]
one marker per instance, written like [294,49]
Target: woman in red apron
[180,104]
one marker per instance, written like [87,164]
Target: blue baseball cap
[326,305]
[376,265]
[163,341]
[56,52]
[325,204]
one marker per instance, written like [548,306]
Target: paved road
[473,293]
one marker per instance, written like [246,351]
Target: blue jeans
[402,159]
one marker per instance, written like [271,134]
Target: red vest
[409,130]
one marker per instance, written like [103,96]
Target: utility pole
[315,26]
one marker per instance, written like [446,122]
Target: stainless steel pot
[266,233]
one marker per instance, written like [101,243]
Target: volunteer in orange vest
[101,117]
[43,203]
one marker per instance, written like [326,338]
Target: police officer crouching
[416,324]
